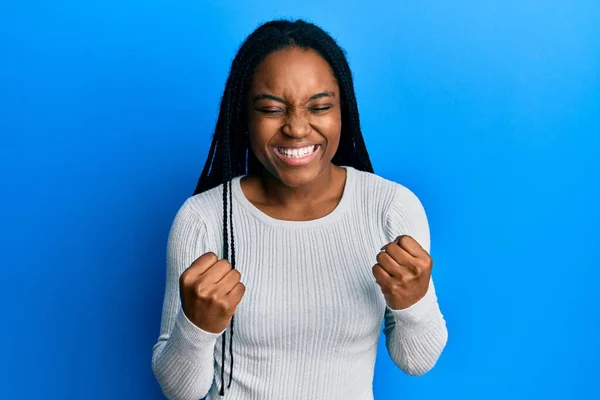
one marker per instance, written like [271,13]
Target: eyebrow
[266,96]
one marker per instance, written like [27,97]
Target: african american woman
[292,255]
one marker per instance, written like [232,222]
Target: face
[294,117]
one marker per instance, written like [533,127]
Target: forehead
[294,72]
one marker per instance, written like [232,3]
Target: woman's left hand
[403,271]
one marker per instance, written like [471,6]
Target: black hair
[230,154]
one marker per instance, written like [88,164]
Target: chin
[298,176]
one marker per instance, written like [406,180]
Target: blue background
[488,110]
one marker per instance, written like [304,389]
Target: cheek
[266,126]
[261,131]
[331,128]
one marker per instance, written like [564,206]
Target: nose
[296,125]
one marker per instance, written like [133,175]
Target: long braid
[236,139]
[233,265]
[226,178]
[232,258]
[231,139]
[359,143]
[230,154]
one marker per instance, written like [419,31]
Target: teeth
[296,153]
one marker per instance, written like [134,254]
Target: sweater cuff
[187,337]
[419,313]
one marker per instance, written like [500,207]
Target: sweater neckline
[342,205]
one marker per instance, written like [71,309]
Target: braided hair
[230,154]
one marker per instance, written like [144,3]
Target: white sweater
[311,318]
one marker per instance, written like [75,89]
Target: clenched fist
[403,271]
[210,292]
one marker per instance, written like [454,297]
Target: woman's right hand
[210,292]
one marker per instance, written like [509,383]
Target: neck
[320,189]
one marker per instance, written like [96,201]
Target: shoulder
[204,204]
[399,208]
[203,210]
[198,223]
[387,193]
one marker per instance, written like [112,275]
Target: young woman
[291,246]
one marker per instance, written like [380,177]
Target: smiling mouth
[297,152]
[297,156]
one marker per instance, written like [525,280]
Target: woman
[288,204]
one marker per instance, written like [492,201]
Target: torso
[312,313]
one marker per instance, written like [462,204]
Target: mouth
[297,156]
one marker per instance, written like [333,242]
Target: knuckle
[375,269]
[404,240]
[183,279]
[380,257]
[224,264]
[222,304]
[379,276]
[396,286]
[237,274]
[205,260]
[211,257]
[424,264]
[201,292]
[242,289]
[186,280]
[212,301]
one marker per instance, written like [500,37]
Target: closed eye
[271,111]
[319,109]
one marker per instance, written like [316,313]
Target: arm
[416,335]
[182,359]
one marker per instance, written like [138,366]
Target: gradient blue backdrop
[488,110]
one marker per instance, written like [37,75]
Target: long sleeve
[182,359]
[417,335]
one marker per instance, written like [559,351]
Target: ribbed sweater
[309,323]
